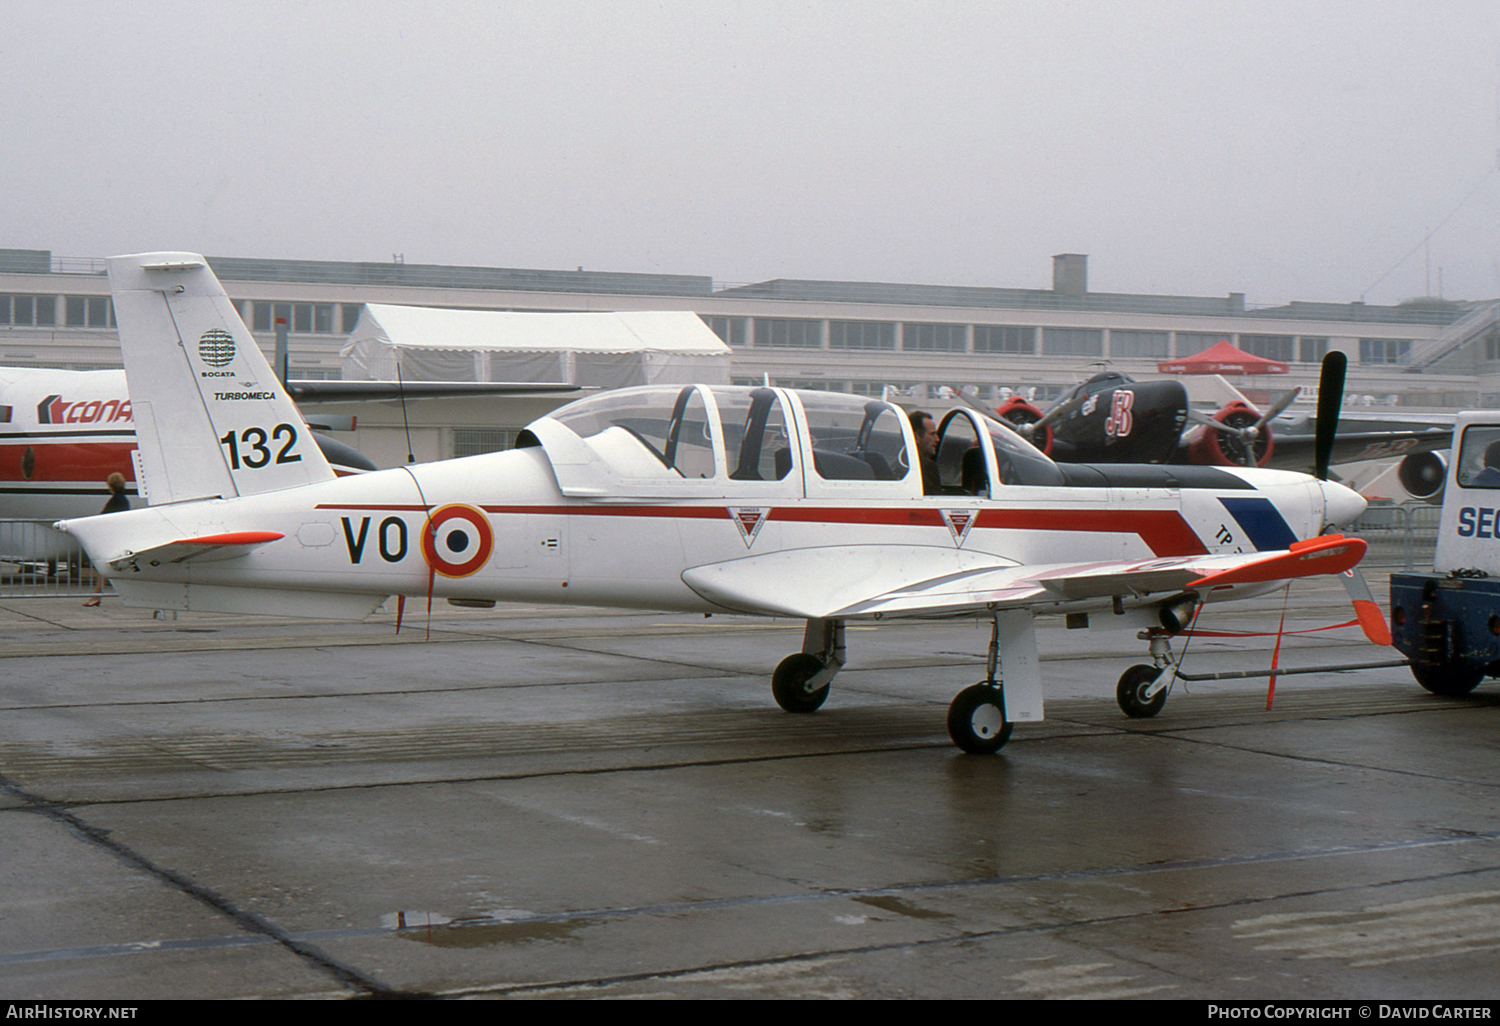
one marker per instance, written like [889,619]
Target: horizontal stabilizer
[204,549]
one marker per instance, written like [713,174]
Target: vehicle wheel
[1448,681]
[789,680]
[976,720]
[1130,692]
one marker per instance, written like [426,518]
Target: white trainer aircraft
[708,499]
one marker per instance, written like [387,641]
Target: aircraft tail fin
[211,418]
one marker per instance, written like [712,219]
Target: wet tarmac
[544,803]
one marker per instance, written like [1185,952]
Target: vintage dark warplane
[1112,418]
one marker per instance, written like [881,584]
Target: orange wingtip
[233,538]
[1332,554]
[1307,543]
[1372,621]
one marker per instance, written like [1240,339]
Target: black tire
[1129,692]
[1448,681]
[976,720]
[788,683]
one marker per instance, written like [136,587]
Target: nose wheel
[1142,690]
[1132,692]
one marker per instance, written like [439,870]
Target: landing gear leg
[800,683]
[976,717]
[1142,690]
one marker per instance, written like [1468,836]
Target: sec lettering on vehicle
[244,395]
[1477,523]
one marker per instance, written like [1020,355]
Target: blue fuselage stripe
[1262,523]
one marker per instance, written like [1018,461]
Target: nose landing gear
[1142,690]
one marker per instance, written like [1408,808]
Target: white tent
[605,350]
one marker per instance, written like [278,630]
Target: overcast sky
[1284,150]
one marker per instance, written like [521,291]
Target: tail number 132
[250,447]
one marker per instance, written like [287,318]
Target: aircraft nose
[1341,505]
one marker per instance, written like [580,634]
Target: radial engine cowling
[1218,448]
[1018,412]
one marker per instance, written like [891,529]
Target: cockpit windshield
[669,424]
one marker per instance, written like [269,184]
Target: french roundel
[457,540]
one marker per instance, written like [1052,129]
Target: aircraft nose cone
[1341,505]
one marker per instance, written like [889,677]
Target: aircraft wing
[361,391]
[202,549]
[1361,436]
[898,580]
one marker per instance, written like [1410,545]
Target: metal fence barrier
[39,562]
[1400,537]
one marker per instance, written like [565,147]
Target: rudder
[211,418]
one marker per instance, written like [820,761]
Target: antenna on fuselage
[401,391]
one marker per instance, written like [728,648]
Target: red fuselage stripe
[1163,530]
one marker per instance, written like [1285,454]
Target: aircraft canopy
[604,350]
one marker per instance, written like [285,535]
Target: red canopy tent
[1222,358]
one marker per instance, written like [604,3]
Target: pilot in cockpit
[925,428]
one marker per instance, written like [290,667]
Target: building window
[88,311]
[1072,342]
[304,318]
[1269,347]
[1492,344]
[1139,345]
[26,310]
[810,384]
[730,330]
[478,441]
[1004,338]
[1191,343]
[939,338]
[875,388]
[1312,350]
[350,312]
[1036,393]
[861,335]
[1384,350]
[787,333]
[317,373]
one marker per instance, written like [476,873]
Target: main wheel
[976,720]
[1130,692]
[789,683]
[1448,681]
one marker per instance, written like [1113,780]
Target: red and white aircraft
[710,499]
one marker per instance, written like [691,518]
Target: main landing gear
[976,716]
[980,718]
[800,683]
[1142,690]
